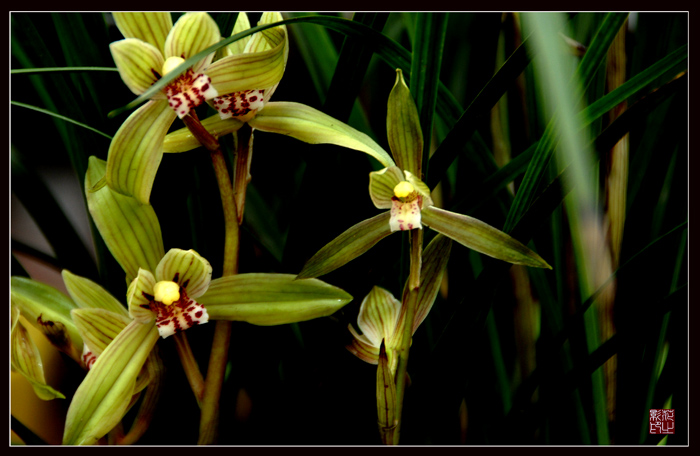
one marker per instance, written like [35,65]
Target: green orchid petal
[183,140]
[270,38]
[433,266]
[242,24]
[137,149]
[248,71]
[130,230]
[386,398]
[351,244]
[104,395]
[99,327]
[361,347]
[191,34]
[379,314]
[26,359]
[187,268]
[49,311]
[136,298]
[403,128]
[271,299]
[314,127]
[381,186]
[87,293]
[152,28]
[139,64]
[421,188]
[481,237]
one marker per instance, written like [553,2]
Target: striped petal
[153,28]
[48,310]
[98,327]
[139,296]
[88,294]
[103,397]
[378,315]
[137,149]
[131,230]
[361,347]
[381,186]
[271,299]
[139,64]
[252,70]
[191,34]
[483,238]
[242,24]
[186,268]
[26,359]
[315,127]
[403,127]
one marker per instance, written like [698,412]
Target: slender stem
[411,301]
[189,364]
[208,425]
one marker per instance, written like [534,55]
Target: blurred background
[505,356]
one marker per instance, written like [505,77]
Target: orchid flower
[240,101]
[161,301]
[169,294]
[400,189]
[154,47]
[382,317]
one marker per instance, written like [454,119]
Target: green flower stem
[208,424]
[410,303]
[241,172]
[189,364]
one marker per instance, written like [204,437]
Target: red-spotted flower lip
[240,105]
[188,91]
[182,314]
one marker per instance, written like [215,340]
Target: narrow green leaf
[481,237]
[465,127]
[104,395]
[426,63]
[130,230]
[403,128]
[632,86]
[58,116]
[314,127]
[349,74]
[349,245]
[591,61]
[271,299]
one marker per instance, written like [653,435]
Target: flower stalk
[222,333]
